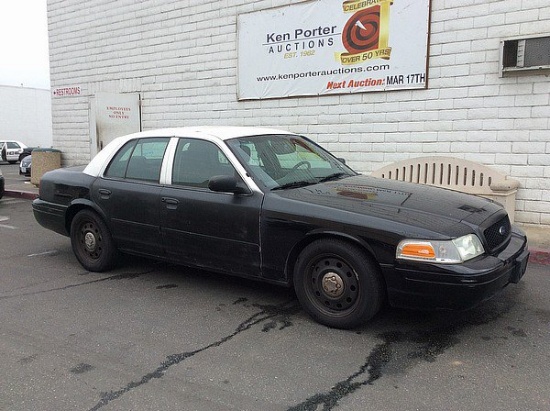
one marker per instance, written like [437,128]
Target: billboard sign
[333,47]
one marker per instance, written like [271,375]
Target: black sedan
[25,166]
[274,206]
[27,151]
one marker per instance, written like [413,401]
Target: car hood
[431,208]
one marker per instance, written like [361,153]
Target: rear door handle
[104,193]
[171,203]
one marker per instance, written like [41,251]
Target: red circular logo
[362,31]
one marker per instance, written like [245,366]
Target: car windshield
[287,161]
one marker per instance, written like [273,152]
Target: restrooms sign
[333,47]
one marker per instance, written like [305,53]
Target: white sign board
[69,91]
[333,47]
[113,115]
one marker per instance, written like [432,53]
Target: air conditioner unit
[525,55]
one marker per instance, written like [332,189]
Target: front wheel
[337,283]
[91,241]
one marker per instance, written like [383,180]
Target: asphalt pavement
[153,336]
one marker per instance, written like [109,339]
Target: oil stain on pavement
[270,314]
[400,351]
[397,352]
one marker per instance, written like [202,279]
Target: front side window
[139,160]
[196,161]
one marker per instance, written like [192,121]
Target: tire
[91,241]
[337,283]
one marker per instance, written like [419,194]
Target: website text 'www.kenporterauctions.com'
[322,73]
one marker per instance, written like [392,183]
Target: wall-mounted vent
[525,55]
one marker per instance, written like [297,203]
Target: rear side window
[139,160]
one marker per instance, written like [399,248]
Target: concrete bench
[455,174]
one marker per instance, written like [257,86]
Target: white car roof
[207,132]
[23,145]
[211,133]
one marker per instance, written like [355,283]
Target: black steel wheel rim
[332,284]
[89,239]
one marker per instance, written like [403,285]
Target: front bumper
[24,170]
[460,286]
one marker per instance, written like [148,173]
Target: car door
[12,151]
[212,230]
[129,194]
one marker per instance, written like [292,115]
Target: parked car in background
[11,150]
[25,166]
[274,206]
[26,152]
[2,184]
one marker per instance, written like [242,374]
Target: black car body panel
[60,190]
[2,185]
[261,234]
[133,214]
[217,231]
[374,212]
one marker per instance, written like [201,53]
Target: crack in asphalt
[398,352]
[275,313]
[117,277]
[378,359]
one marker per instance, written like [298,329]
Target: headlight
[447,252]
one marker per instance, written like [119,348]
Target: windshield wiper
[294,184]
[335,176]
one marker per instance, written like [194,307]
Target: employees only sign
[333,47]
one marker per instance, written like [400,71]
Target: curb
[20,194]
[539,256]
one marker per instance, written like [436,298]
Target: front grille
[498,233]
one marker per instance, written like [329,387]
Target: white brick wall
[158,48]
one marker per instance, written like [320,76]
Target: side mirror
[227,184]
[342,160]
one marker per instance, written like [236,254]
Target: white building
[26,115]
[166,63]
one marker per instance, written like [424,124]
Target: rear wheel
[337,283]
[91,241]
